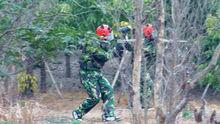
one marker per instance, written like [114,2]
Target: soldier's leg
[107,96]
[142,92]
[143,82]
[149,78]
[90,83]
[148,91]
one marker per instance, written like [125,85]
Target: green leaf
[65,8]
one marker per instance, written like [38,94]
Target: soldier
[94,55]
[148,59]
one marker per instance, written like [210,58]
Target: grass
[6,122]
[75,122]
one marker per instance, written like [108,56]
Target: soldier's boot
[108,119]
[76,116]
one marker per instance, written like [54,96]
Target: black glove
[124,30]
[118,50]
[128,46]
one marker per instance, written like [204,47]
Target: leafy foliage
[209,44]
[212,26]
[23,78]
[187,113]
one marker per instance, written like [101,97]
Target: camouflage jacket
[95,54]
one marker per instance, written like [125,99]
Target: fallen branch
[119,68]
[53,80]
[205,91]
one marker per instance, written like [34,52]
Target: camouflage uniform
[148,59]
[93,57]
[146,84]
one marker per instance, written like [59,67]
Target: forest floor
[61,109]
[53,110]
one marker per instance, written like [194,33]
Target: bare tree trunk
[43,75]
[4,91]
[198,76]
[145,91]
[170,120]
[68,67]
[138,5]
[159,65]
[12,91]
[175,103]
[172,83]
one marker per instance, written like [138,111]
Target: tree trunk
[159,63]
[68,67]
[43,75]
[145,90]
[138,5]
[166,114]
[170,120]
[12,86]
[172,83]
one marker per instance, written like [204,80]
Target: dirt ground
[50,109]
[58,111]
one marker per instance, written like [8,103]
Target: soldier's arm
[103,53]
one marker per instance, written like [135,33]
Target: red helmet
[148,30]
[103,30]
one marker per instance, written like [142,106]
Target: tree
[138,8]
[14,19]
[178,75]
[33,40]
[159,64]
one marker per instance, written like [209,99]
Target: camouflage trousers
[98,88]
[146,85]
[146,90]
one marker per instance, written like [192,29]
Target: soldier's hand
[125,30]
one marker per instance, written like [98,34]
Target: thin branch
[180,106]
[78,4]
[53,80]
[12,28]
[119,68]
[185,58]
[197,77]
[205,91]
[20,70]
